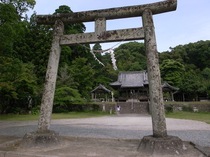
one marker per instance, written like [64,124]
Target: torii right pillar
[159,143]
[155,89]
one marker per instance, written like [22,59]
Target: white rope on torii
[110,51]
[94,56]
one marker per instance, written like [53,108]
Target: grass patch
[70,115]
[16,117]
[73,115]
[187,102]
[199,116]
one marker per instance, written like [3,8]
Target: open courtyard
[119,135]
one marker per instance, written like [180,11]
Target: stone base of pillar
[40,139]
[169,145]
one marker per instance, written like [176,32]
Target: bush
[95,107]
[187,108]
[202,106]
[59,110]
[75,108]
[168,108]
[35,110]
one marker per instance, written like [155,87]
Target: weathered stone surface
[155,88]
[103,36]
[169,145]
[108,14]
[40,139]
[100,25]
[50,79]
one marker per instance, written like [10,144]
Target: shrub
[168,108]
[35,110]
[187,108]
[75,108]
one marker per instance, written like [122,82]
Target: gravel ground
[115,127]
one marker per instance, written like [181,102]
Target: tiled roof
[131,79]
[167,86]
[101,88]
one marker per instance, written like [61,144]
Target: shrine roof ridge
[131,79]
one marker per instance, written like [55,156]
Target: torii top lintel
[112,13]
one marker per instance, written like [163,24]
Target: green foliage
[187,108]
[168,108]
[70,28]
[197,53]
[9,25]
[21,6]
[206,75]
[35,110]
[17,83]
[83,75]
[172,71]
[65,77]
[69,115]
[97,46]
[192,84]
[194,57]
[131,57]
[66,95]
[204,117]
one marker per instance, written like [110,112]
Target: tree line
[25,47]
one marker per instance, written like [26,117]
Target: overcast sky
[189,23]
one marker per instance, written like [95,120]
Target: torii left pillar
[44,136]
[50,79]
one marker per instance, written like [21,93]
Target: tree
[97,47]
[34,47]
[17,83]
[9,24]
[83,75]
[21,6]
[131,56]
[195,59]
[172,72]
[65,97]
[70,28]
[65,78]
[206,75]
[192,85]
[197,53]
[178,54]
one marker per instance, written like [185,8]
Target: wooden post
[50,80]
[155,89]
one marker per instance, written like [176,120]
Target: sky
[189,23]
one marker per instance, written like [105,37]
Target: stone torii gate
[101,35]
